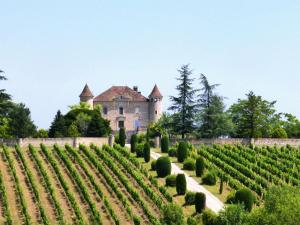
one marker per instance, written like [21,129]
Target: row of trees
[202,112]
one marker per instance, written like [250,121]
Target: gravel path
[212,202]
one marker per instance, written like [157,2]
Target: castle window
[121,111]
[155,112]
[105,110]
[137,110]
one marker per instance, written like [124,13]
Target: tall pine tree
[58,126]
[184,104]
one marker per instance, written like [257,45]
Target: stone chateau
[126,107]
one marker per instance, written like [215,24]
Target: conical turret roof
[155,92]
[86,92]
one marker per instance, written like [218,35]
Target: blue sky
[50,49]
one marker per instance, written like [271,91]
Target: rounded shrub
[245,196]
[171,181]
[200,166]
[146,152]
[122,137]
[209,178]
[200,202]
[139,150]
[209,217]
[172,214]
[180,184]
[133,143]
[230,199]
[279,133]
[182,151]
[165,144]
[172,152]
[153,165]
[163,166]
[189,164]
[190,198]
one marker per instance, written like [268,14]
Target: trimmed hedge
[200,202]
[165,144]
[163,166]
[171,181]
[245,196]
[200,166]
[140,150]
[172,152]
[182,151]
[133,143]
[180,184]
[190,198]
[146,151]
[122,137]
[189,164]
[210,178]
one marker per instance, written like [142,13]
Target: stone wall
[245,141]
[51,141]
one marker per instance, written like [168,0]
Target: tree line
[201,112]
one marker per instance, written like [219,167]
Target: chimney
[135,88]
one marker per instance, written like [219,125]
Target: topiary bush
[200,166]
[122,137]
[245,196]
[180,184]
[190,198]
[182,151]
[200,202]
[133,143]
[146,150]
[165,144]
[230,199]
[171,181]
[172,152]
[189,164]
[172,214]
[209,217]
[153,165]
[209,178]
[139,150]
[163,166]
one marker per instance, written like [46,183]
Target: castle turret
[87,96]
[155,104]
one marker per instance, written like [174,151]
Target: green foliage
[252,117]
[200,202]
[209,178]
[279,133]
[171,180]
[163,166]
[183,104]
[98,127]
[234,214]
[244,196]
[172,152]
[41,133]
[182,151]
[153,165]
[122,137]
[200,166]
[189,164]
[133,143]
[172,215]
[190,198]
[164,144]
[72,131]
[180,184]
[146,152]
[58,126]
[140,150]
[209,218]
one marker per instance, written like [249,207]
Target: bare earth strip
[28,195]
[45,198]
[212,202]
[61,196]
[13,205]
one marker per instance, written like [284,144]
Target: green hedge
[200,201]
[180,184]
[133,143]
[165,144]
[190,198]
[182,151]
[200,166]
[189,164]
[163,166]
[245,196]
[171,181]
[209,178]
[146,151]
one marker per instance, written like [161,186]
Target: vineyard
[66,185]
[255,168]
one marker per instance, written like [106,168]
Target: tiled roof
[120,91]
[155,92]
[86,92]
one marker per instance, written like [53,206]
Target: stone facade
[126,107]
